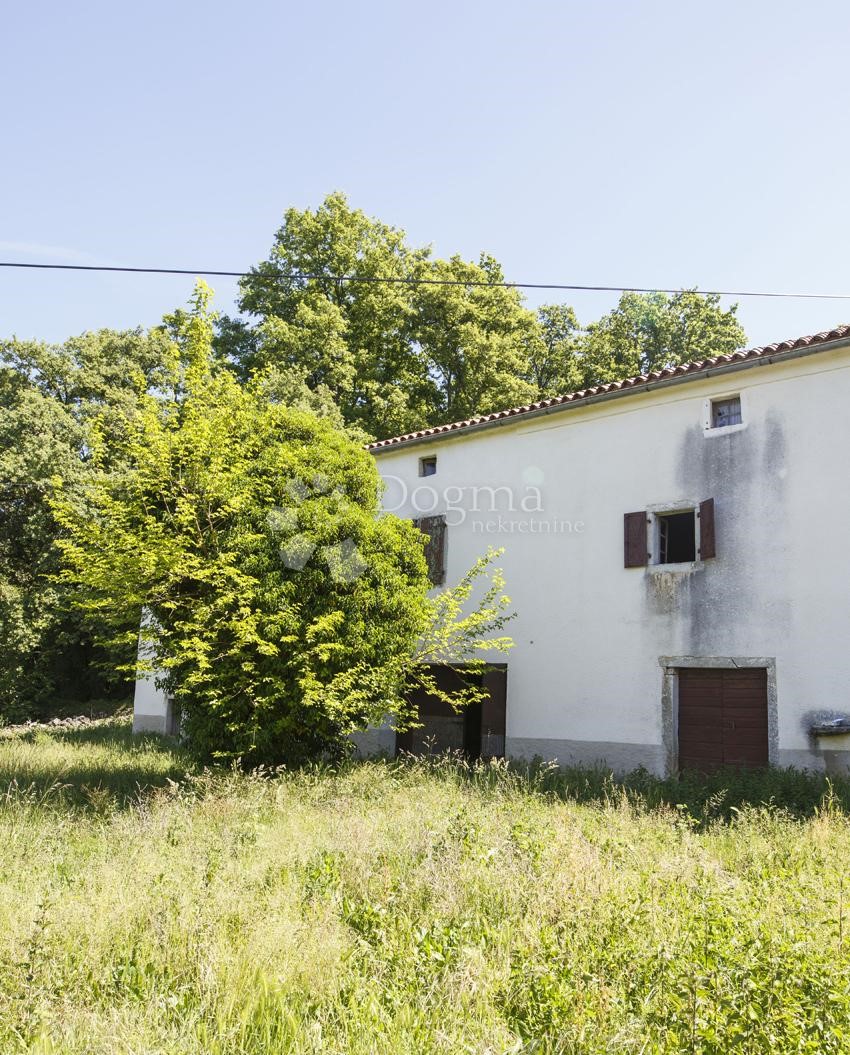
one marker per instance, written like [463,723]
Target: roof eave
[620,393]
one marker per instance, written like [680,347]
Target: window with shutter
[677,536]
[435,547]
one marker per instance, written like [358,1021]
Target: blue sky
[652,143]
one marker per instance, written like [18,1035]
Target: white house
[676,551]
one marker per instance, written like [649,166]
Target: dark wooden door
[478,730]
[722,718]
[441,727]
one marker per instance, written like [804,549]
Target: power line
[389,280]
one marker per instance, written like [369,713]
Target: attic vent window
[725,412]
[428,466]
[677,541]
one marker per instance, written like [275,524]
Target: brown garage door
[722,718]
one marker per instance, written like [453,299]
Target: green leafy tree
[392,355]
[49,395]
[99,373]
[555,363]
[38,439]
[473,337]
[352,337]
[648,331]
[285,609]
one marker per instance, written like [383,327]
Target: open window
[675,536]
[676,541]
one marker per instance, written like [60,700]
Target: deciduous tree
[474,338]
[555,361]
[394,355]
[353,337]
[648,331]
[287,611]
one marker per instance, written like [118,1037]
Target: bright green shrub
[285,608]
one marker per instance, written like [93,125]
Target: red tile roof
[750,356]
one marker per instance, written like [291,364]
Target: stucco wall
[586,680]
[153,711]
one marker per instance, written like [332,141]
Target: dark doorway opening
[477,730]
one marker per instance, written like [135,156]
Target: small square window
[725,412]
[428,466]
[677,537]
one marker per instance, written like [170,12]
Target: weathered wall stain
[745,473]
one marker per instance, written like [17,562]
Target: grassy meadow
[150,907]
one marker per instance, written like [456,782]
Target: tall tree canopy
[353,338]
[392,355]
[400,355]
[555,361]
[472,336]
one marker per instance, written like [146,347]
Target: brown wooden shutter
[634,539]
[435,547]
[707,544]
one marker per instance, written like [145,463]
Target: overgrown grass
[102,763]
[150,907]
